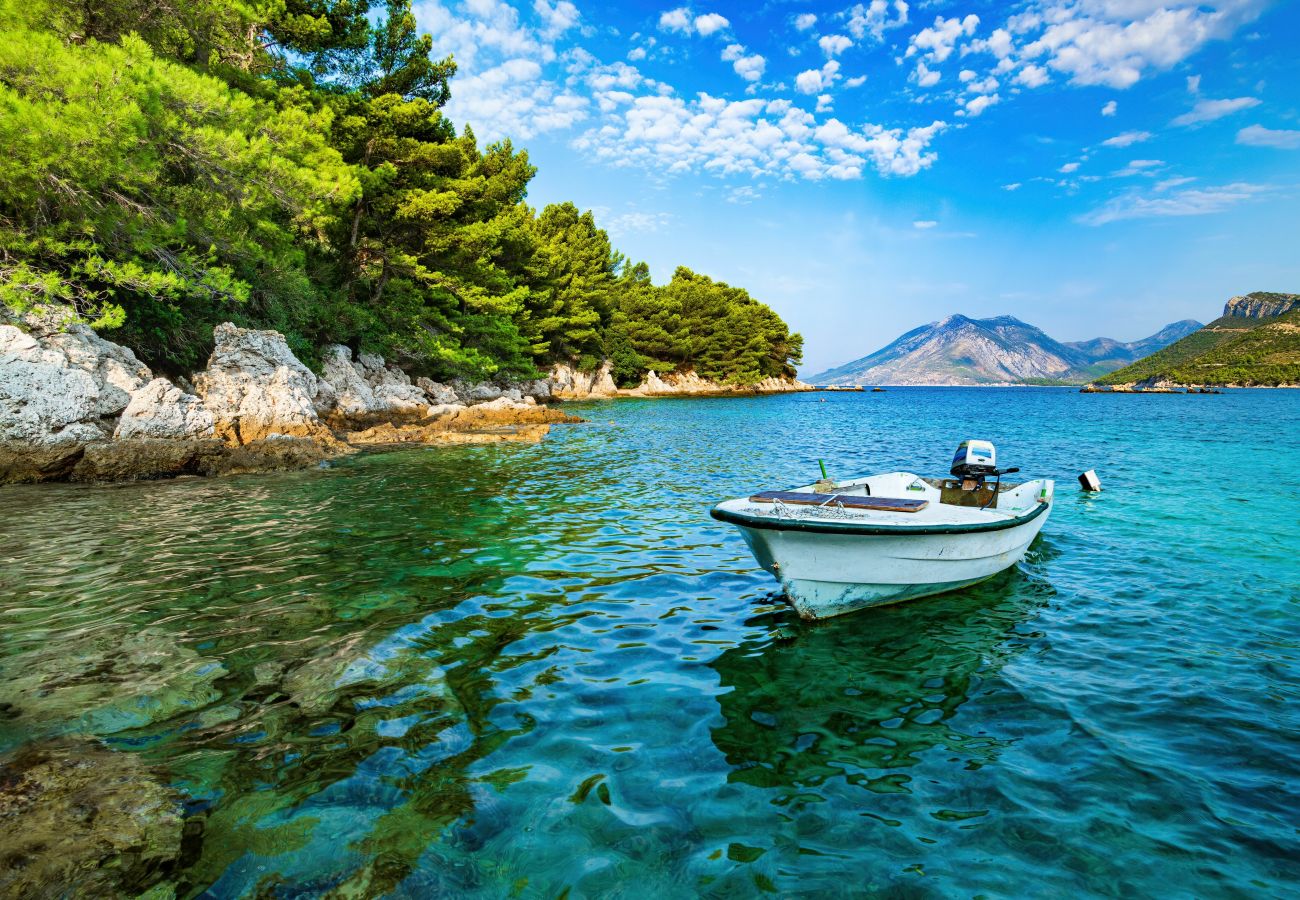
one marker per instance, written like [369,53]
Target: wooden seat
[800,498]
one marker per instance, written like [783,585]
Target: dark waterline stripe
[766,524]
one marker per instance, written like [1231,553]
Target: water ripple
[515,671]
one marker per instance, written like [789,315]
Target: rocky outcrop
[1261,305]
[568,383]
[162,411]
[689,383]
[365,390]
[49,409]
[497,420]
[75,406]
[256,388]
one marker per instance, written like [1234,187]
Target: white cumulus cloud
[1032,76]
[708,23]
[754,137]
[814,81]
[1110,108]
[557,19]
[937,41]
[805,21]
[1113,42]
[678,20]
[834,44]
[875,18]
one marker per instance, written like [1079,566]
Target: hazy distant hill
[961,350]
[1255,341]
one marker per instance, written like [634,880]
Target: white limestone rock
[162,411]
[254,387]
[366,390]
[45,404]
[116,370]
[570,384]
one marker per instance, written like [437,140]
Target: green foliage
[286,164]
[1230,350]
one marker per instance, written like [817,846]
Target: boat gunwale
[764,523]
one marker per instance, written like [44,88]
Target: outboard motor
[973,462]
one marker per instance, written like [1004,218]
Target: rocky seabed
[74,406]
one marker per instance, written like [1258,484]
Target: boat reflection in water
[882,729]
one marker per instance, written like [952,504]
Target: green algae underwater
[543,671]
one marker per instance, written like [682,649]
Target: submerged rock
[78,820]
[497,420]
[113,680]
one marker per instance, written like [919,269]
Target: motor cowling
[974,460]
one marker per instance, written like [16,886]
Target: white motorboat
[841,546]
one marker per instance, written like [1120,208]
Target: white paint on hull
[827,573]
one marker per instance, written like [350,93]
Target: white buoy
[1089,481]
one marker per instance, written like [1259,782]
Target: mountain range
[1255,342]
[1001,350]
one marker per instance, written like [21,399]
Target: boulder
[115,369]
[49,410]
[569,384]
[437,393]
[539,389]
[478,392]
[255,387]
[368,391]
[145,459]
[162,411]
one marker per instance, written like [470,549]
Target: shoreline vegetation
[1255,343]
[270,244]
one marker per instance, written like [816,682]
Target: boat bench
[855,501]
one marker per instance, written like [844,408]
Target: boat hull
[826,575]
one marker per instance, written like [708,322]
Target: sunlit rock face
[1261,305]
[255,387]
[74,406]
[569,384]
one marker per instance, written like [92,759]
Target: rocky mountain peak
[1261,304]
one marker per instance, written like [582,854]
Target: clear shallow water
[521,671]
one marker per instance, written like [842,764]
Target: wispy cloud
[1209,110]
[1259,136]
[924,224]
[1127,139]
[637,222]
[1189,202]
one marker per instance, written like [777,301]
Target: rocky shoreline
[76,407]
[569,384]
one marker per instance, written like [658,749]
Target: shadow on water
[864,697]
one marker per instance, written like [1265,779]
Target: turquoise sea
[544,671]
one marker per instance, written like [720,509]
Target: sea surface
[544,671]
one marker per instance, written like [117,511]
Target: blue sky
[1094,167]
